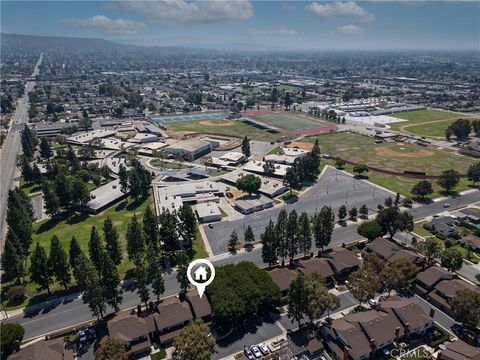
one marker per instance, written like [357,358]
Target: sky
[245,24]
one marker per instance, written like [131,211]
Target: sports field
[191,117]
[294,122]
[430,123]
[393,157]
[224,127]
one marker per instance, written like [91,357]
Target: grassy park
[223,127]
[430,123]
[394,157]
[80,226]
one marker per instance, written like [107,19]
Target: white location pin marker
[200,274]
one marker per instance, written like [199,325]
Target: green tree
[52,203]
[63,189]
[473,173]
[246,147]
[451,259]
[151,229]
[194,343]
[249,183]
[422,189]
[187,226]
[373,262]
[123,178]
[155,269]
[304,234]
[363,211]
[112,243]
[88,279]
[233,241]
[342,213]
[58,262]
[290,179]
[182,267]
[461,128]
[363,284]
[168,229]
[466,307]
[391,221]
[248,236]
[269,244]
[269,168]
[40,272]
[20,217]
[13,259]
[359,169]
[352,213]
[141,273]
[339,163]
[96,250]
[298,296]
[74,252]
[370,229]
[111,349]
[112,292]
[10,335]
[80,194]
[292,235]
[45,149]
[429,248]
[29,142]
[396,275]
[323,227]
[135,240]
[281,234]
[449,180]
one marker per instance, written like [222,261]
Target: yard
[235,128]
[430,123]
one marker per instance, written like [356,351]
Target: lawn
[80,227]
[30,188]
[288,120]
[391,156]
[235,128]
[431,123]
[169,165]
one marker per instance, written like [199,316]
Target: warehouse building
[104,197]
[190,149]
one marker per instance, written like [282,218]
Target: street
[11,148]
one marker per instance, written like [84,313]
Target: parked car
[373,302]
[263,348]
[82,335]
[256,351]
[446,205]
[248,353]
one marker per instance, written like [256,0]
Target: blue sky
[243,24]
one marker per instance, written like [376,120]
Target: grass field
[288,121]
[223,127]
[362,149]
[80,227]
[430,123]
[392,156]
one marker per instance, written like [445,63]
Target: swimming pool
[192,117]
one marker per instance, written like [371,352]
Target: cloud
[280,31]
[350,30]
[288,6]
[341,10]
[172,11]
[110,26]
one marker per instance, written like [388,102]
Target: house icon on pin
[201,273]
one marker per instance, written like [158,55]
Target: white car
[446,205]
[248,353]
[263,348]
[256,351]
[373,302]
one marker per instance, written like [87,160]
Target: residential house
[317,265]
[54,349]
[342,261]
[390,252]
[459,350]
[443,227]
[282,276]
[471,241]
[446,290]
[426,280]
[173,315]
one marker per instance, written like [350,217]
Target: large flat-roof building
[253,203]
[190,149]
[270,187]
[105,196]
[87,137]
[208,212]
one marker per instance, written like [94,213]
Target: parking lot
[334,188]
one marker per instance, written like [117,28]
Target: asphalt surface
[11,148]
[334,188]
[43,318]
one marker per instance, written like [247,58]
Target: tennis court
[192,117]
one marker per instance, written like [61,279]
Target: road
[11,147]
[65,312]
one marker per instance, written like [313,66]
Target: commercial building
[190,149]
[257,168]
[87,137]
[253,203]
[208,212]
[233,158]
[105,196]
[270,187]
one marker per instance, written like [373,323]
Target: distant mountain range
[15,42]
